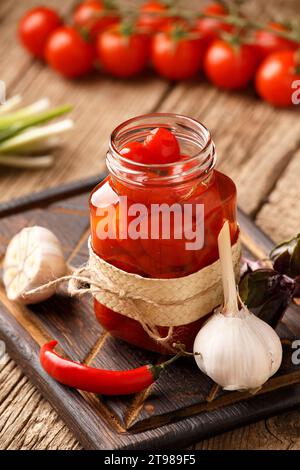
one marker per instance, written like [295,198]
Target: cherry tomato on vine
[230,66]
[210,28]
[267,42]
[93,16]
[69,53]
[152,17]
[35,27]
[122,51]
[276,77]
[176,54]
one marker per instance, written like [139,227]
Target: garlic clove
[33,257]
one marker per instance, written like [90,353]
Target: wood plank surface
[147,415]
[256,145]
[283,200]
[37,321]
[100,103]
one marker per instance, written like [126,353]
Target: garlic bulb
[33,257]
[235,348]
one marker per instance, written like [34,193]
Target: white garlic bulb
[235,348]
[33,258]
[238,352]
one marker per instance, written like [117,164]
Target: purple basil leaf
[250,265]
[256,287]
[295,259]
[286,257]
[273,309]
[267,293]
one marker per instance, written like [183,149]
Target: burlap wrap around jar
[155,302]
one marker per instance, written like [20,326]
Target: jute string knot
[153,303]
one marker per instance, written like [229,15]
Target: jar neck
[196,146]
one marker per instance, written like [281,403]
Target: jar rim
[204,159]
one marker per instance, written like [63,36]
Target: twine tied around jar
[152,302]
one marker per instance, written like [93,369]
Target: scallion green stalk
[31,110]
[7,132]
[36,139]
[10,105]
[16,161]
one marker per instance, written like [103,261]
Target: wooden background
[257,145]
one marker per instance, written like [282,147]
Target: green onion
[36,139]
[17,161]
[10,105]
[31,110]
[9,131]
[24,143]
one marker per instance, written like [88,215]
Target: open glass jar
[190,181]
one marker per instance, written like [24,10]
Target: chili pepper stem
[157,369]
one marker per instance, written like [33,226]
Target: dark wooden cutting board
[184,406]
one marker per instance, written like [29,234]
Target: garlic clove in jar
[33,257]
[235,348]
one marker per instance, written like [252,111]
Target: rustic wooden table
[258,147]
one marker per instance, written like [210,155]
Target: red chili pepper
[104,382]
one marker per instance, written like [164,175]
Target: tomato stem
[127,28]
[233,18]
[110,5]
[297,61]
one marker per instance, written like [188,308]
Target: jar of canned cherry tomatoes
[161,161]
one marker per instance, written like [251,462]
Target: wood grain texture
[283,200]
[163,416]
[254,143]
[279,432]
[35,426]
[85,422]
[94,114]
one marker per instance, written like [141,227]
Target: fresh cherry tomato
[135,151]
[175,55]
[210,28]
[123,52]
[69,53]
[162,146]
[152,17]
[229,66]
[35,27]
[94,16]
[275,78]
[267,42]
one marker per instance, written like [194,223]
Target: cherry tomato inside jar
[153,254]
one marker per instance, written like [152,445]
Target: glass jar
[192,180]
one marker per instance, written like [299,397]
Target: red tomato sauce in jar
[164,175]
